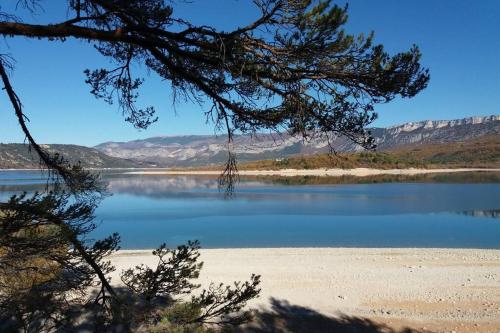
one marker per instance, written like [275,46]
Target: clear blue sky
[459,39]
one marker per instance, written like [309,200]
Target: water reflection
[159,186]
[475,177]
[294,195]
[268,212]
[493,213]
[269,197]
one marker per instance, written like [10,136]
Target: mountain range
[204,150]
[200,150]
[18,156]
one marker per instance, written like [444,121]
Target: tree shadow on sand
[284,317]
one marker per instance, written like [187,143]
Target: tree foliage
[173,274]
[45,263]
[293,69]
[48,267]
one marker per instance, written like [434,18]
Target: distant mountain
[480,152]
[202,150]
[17,156]
[437,131]
[199,150]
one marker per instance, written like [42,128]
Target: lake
[457,212]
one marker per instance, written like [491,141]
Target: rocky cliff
[196,150]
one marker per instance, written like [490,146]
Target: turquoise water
[149,210]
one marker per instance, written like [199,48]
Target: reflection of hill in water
[161,187]
[292,197]
[153,184]
[289,196]
[173,186]
[476,177]
[493,213]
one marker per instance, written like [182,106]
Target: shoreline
[359,172]
[323,172]
[440,289]
[147,251]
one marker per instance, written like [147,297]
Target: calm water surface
[149,210]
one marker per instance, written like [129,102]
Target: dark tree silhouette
[293,69]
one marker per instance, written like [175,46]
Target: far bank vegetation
[483,152]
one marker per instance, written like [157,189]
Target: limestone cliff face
[439,131]
[196,150]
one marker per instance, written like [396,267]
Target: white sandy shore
[361,172]
[443,290]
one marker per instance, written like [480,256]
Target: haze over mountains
[201,150]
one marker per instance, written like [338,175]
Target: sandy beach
[428,290]
[360,172]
